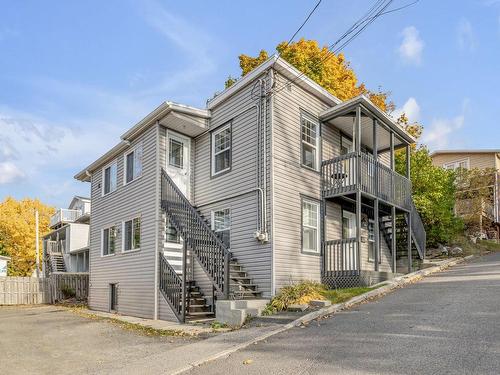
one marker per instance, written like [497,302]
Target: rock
[443,249]
[297,307]
[456,250]
[320,303]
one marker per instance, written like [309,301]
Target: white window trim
[456,164]
[318,227]
[350,216]
[114,162]
[134,178]
[102,241]
[123,251]
[316,146]
[212,151]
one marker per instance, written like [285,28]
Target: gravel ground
[49,339]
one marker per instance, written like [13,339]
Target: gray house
[274,182]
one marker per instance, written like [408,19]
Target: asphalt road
[448,323]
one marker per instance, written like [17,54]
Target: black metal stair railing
[207,247]
[170,284]
[418,231]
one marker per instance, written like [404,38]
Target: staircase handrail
[211,266]
[418,230]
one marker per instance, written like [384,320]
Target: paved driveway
[49,340]
[448,323]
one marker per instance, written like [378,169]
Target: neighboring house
[4,261]
[66,248]
[489,216]
[245,196]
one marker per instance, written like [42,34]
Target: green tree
[434,195]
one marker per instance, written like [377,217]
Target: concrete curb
[397,282]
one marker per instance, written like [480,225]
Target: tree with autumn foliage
[331,71]
[17,232]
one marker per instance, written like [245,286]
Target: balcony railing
[64,215]
[340,258]
[340,176]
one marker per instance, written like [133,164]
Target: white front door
[178,168]
[178,160]
[350,254]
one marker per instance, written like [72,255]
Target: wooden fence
[30,290]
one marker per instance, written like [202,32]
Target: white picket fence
[31,291]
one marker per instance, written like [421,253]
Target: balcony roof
[344,112]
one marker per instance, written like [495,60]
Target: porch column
[184,281]
[408,233]
[408,161]
[357,138]
[393,209]
[393,238]
[376,227]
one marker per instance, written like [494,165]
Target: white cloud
[465,36]
[440,131]
[412,46]
[9,173]
[410,108]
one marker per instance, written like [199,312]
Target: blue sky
[76,75]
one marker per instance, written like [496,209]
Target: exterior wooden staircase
[56,262]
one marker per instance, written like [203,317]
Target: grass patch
[306,291]
[218,325]
[342,295]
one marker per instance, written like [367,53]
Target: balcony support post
[408,161]
[393,239]
[357,138]
[408,232]
[376,222]
[393,163]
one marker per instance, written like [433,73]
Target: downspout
[157,219]
[271,162]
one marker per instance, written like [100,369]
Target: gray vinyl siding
[133,272]
[239,183]
[291,181]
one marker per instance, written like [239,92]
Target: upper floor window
[310,226]
[133,164]
[456,165]
[109,240]
[221,224]
[309,129]
[109,177]
[132,234]
[221,150]
[176,153]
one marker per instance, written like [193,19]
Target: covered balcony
[363,177]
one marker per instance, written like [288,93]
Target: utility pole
[37,246]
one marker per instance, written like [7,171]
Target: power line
[358,27]
[303,23]
[377,10]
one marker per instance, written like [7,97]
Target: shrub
[301,293]
[68,292]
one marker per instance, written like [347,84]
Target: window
[310,227]
[221,150]
[221,224]
[309,142]
[171,234]
[371,242]
[109,241]
[133,164]
[132,234]
[346,146]
[176,153]
[457,165]
[109,179]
